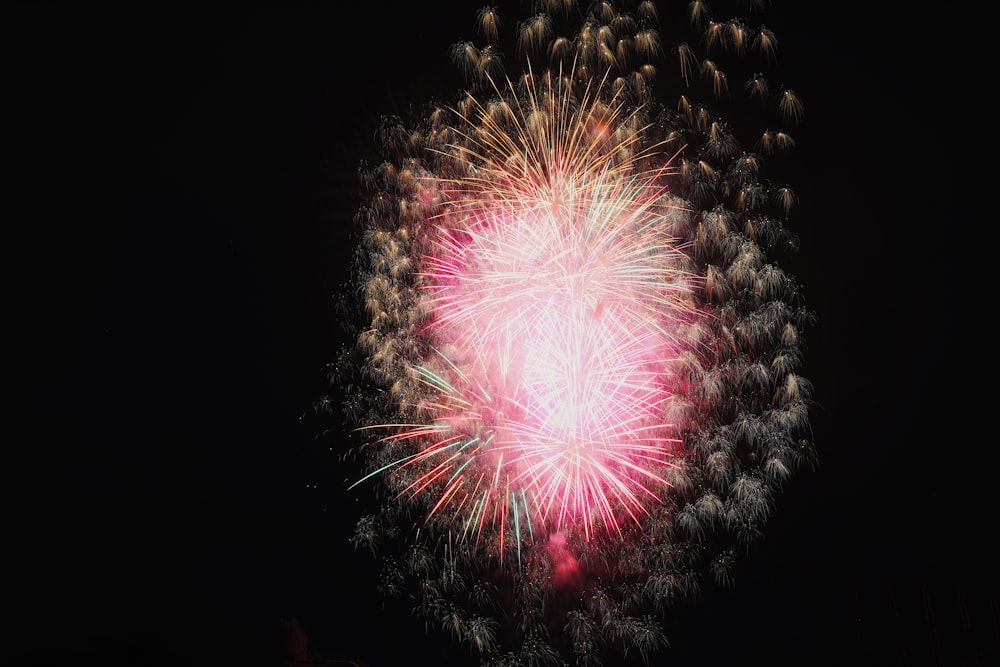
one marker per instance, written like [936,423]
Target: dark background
[179,194]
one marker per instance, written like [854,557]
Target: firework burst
[578,368]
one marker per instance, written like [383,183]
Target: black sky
[180,188]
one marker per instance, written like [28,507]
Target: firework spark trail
[582,366]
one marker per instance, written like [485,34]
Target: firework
[577,363]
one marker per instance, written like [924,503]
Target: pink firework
[577,372]
[558,302]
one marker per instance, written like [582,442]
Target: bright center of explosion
[557,302]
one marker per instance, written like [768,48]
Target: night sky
[180,191]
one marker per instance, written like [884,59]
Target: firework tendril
[576,371]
